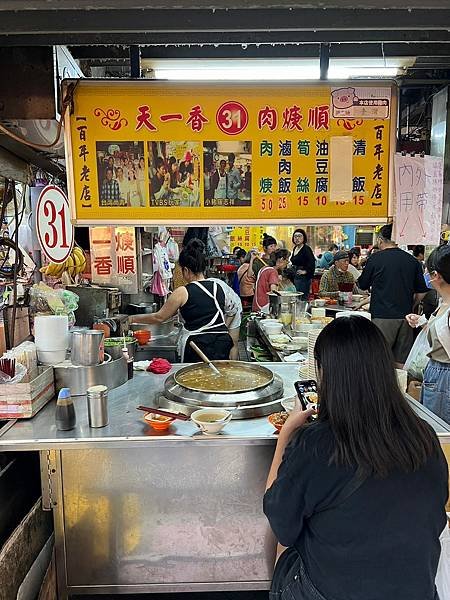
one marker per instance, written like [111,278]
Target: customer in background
[371,252]
[419,253]
[269,246]
[397,285]
[327,258]
[435,393]
[358,496]
[338,273]
[302,258]
[268,279]
[353,266]
[247,279]
[354,258]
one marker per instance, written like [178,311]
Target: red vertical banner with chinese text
[114,258]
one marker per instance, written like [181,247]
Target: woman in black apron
[202,306]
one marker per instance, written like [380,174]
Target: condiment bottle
[97,403]
[129,362]
[65,411]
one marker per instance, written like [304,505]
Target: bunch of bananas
[73,265]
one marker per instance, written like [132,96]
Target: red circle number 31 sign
[54,228]
[232,117]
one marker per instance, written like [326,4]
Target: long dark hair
[193,257]
[374,427]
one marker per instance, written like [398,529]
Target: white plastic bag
[417,359]
[443,572]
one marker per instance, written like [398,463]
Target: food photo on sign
[121,173]
[227,173]
[174,173]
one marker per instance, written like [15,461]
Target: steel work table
[139,511]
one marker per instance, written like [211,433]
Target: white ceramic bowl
[300,340]
[211,420]
[273,328]
[357,297]
[319,302]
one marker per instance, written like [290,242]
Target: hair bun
[195,245]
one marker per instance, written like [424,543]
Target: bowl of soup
[211,420]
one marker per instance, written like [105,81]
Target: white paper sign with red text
[54,227]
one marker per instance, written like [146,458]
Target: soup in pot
[232,378]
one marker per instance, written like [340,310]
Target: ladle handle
[203,356]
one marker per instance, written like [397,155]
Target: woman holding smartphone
[357,498]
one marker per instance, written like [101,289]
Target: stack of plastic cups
[51,338]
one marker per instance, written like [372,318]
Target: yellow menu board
[153,152]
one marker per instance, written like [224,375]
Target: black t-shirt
[382,543]
[394,276]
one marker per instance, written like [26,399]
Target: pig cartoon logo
[343,97]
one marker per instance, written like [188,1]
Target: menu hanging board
[153,152]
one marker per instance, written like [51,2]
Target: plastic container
[51,338]
[143,336]
[51,357]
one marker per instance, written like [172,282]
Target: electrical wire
[65,105]
[16,242]
[8,196]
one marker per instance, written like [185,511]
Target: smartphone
[307,394]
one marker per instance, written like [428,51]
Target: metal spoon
[204,358]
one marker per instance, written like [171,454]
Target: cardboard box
[414,389]
[23,400]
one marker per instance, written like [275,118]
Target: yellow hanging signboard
[146,152]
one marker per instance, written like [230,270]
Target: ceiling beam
[230,37]
[50,22]
[38,5]
[427,52]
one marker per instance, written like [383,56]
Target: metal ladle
[204,358]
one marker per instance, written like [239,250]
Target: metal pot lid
[236,377]
[285,294]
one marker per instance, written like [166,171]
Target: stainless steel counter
[127,428]
[136,511]
[126,425]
